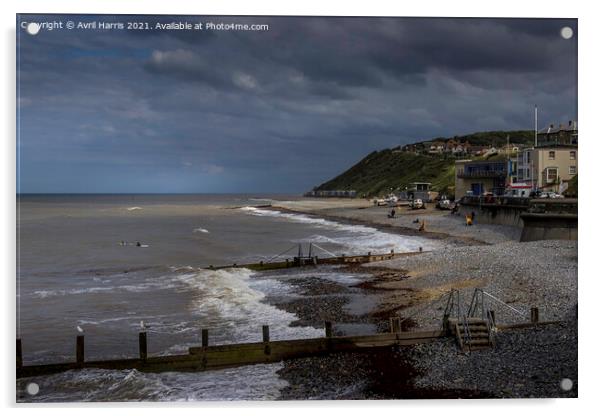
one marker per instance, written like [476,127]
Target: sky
[273,111]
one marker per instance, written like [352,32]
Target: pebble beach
[526,362]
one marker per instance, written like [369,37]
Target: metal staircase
[472,332]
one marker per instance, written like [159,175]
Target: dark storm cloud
[281,110]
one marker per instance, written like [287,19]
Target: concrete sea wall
[538,219]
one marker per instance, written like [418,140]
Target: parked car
[444,204]
[391,200]
[380,202]
[417,204]
[552,195]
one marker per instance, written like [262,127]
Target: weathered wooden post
[287,263]
[142,345]
[315,260]
[534,315]
[420,249]
[19,354]
[79,350]
[266,339]
[328,329]
[204,338]
[395,324]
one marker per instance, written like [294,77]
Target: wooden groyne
[212,357]
[207,357]
[301,261]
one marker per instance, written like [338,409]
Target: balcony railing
[483,174]
[495,200]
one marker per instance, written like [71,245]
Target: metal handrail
[324,250]
[284,252]
[453,302]
[490,327]
[467,332]
[474,303]
[522,314]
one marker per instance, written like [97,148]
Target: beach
[527,362]
[109,289]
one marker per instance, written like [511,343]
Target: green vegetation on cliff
[391,170]
[379,173]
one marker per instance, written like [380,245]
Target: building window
[551,175]
[573,155]
[528,157]
[572,170]
[551,155]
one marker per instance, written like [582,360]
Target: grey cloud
[285,109]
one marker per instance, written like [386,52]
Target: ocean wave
[232,300]
[354,239]
[200,230]
[257,382]
[134,318]
[260,199]
[135,288]
[42,294]
[134,208]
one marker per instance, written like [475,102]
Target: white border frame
[589,80]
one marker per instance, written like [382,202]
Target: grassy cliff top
[382,172]
[391,170]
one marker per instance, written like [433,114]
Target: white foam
[227,297]
[257,382]
[135,288]
[355,239]
[200,230]
[62,292]
[133,208]
[135,319]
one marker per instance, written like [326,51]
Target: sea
[108,265]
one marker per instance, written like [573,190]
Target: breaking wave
[229,298]
[353,239]
[135,288]
[257,382]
